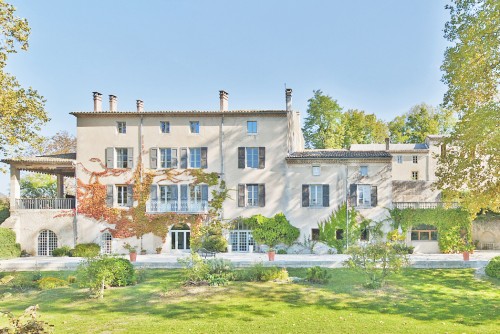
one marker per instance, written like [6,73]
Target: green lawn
[416,301]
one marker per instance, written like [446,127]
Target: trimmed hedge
[62,251]
[8,246]
[493,267]
[86,250]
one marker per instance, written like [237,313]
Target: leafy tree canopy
[470,169]
[419,122]
[21,109]
[35,185]
[327,126]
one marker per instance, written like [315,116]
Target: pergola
[60,165]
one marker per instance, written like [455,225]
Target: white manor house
[259,154]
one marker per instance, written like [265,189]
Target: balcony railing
[424,205]
[45,203]
[182,206]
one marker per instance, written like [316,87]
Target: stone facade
[258,153]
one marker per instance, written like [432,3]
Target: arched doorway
[47,242]
[106,241]
[181,237]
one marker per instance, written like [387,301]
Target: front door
[180,239]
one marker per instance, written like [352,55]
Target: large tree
[470,169]
[61,142]
[327,126]
[362,128]
[21,109]
[323,124]
[419,122]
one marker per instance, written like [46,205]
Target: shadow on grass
[443,295]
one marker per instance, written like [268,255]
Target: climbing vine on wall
[454,226]
[136,221]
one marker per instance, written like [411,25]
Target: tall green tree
[35,185]
[470,169]
[21,109]
[362,128]
[323,124]
[420,121]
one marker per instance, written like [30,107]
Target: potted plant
[158,250]
[132,252]
[273,231]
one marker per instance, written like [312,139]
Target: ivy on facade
[454,226]
[136,221]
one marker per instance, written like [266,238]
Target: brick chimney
[140,105]
[288,93]
[223,96]
[97,101]
[387,144]
[113,103]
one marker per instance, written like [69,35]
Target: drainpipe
[75,220]
[347,206]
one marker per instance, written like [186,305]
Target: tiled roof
[177,112]
[338,154]
[67,158]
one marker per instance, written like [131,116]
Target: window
[364,195]
[415,159]
[119,157]
[47,242]
[165,127]
[194,127]
[400,159]
[251,195]
[195,157]
[168,158]
[122,158]
[121,127]
[122,195]
[106,241]
[315,195]
[252,127]
[414,176]
[315,234]
[252,157]
[424,233]
[168,193]
[316,170]
[363,170]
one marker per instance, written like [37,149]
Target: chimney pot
[387,144]
[140,106]
[288,93]
[113,102]
[223,96]
[97,101]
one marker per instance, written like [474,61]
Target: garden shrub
[8,246]
[62,251]
[86,250]
[104,271]
[71,279]
[211,272]
[48,283]
[317,275]
[215,243]
[23,283]
[282,251]
[403,249]
[493,267]
[376,261]
[272,231]
[259,273]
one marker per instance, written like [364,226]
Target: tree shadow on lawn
[443,295]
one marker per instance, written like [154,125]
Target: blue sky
[379,56]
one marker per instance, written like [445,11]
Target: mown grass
[415,301]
